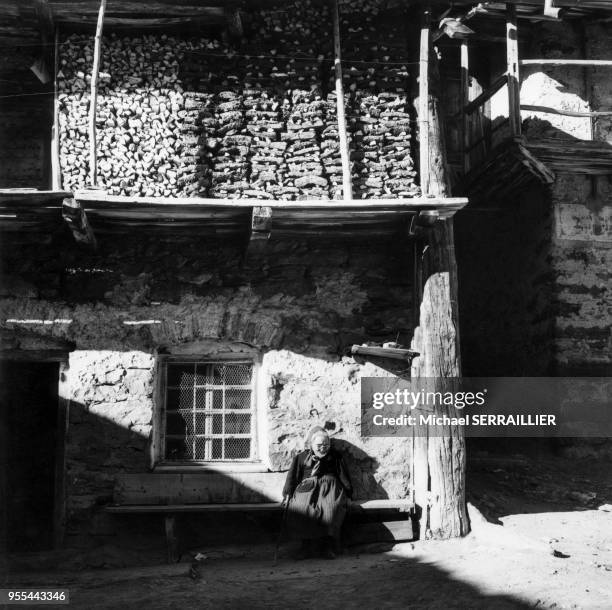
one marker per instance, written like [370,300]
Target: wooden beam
[56,171]
[93,154]
[75,217]
[424,102]
[487,94]
[104,200]
[465,100]
[512,59]
[561,112]
[585,63]
[347,187]
[384,352]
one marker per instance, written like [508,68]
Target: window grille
[209,412]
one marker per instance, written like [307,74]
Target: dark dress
[319,490]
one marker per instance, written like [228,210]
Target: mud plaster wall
[581,246]
[301,307]
[581,257]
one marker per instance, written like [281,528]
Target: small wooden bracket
[75,217]
[394,353]
[550,10]
[422,221]
[261,229]
[234,22]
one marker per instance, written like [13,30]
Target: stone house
[170,335]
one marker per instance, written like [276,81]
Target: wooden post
[56,171]
[347,189]
[465,100]
[59,507]
[172,545]
[424,102]
[440,483]
[4,489]
[512,57]
[93,155]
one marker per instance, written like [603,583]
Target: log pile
[376,76]
[251,118]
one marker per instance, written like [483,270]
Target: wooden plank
[384,352]
[424,103]
[106,201]
[32,197]
[142,509]
[389,531]
[93,100]
[356,506]
[56,172]
[585,63]
[561,112]
[487,94]
[512,59]
[213,487]
[347,187]
[465,100]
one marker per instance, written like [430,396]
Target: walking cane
[282,531]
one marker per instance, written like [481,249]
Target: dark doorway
[28,447]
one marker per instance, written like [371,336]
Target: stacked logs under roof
[255,118]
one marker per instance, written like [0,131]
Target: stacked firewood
[148,127]
[376,78]
[289,44]
[250,118]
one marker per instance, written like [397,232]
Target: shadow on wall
[106,461]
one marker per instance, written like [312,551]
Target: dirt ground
[551,548]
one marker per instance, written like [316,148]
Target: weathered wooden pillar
[439,455]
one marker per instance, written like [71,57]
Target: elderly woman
[317,491]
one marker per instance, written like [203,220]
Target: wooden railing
[477,106]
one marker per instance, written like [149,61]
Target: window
[208,411]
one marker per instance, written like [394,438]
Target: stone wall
[581,257]
[306,303]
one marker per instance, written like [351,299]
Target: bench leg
[171,539]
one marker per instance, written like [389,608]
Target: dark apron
[317,508]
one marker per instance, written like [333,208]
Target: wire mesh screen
[209,411]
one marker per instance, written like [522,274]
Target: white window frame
[255,463]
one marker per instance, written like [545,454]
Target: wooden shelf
[233,216]
[30,209]
[42,211]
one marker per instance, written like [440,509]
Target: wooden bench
[171,495]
